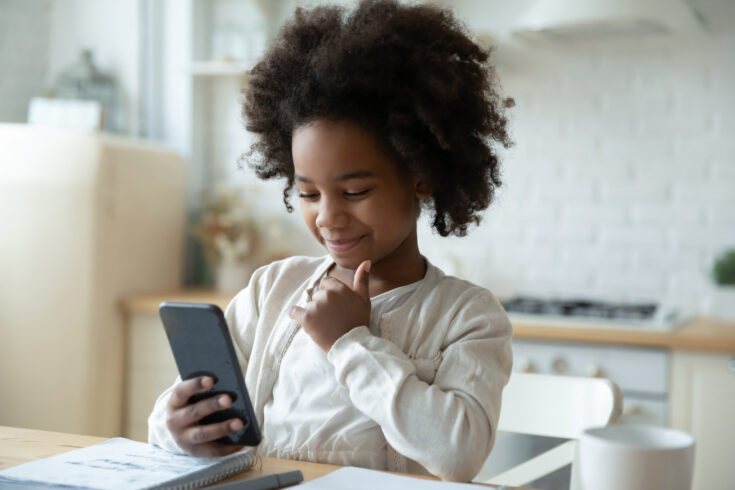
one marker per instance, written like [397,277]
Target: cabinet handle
[731,364]
[560,365]
[525,366]
[594,371]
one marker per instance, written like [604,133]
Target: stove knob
[594,371]
[560,365]
[525,366]
[632,409]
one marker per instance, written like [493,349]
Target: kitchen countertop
[699,334]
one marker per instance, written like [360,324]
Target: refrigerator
[85,219]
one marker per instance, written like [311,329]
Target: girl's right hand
[182,419]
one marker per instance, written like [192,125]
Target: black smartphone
[202,346]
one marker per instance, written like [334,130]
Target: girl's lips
[342,245]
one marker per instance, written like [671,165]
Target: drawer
[634,370]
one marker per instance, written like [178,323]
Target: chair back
[554,406]
[558,406]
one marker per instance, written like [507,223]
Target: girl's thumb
[361,284]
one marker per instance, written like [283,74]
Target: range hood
[581,20]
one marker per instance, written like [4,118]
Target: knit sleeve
[448,426]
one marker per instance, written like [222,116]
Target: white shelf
[217,68]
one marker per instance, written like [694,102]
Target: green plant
[723,270]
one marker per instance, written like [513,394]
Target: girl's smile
[342,245]
[357,203]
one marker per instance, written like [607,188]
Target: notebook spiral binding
[243,461]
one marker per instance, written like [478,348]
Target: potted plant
[722,300]
[230,236]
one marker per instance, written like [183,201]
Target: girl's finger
[201,434]
[333,284]
[186,389]
[192,414]
[330,282]
[297,313]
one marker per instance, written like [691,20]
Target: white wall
[24,55]
[111,28]
[41,38]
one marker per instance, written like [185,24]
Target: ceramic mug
[635,457]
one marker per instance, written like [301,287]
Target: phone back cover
[202,345]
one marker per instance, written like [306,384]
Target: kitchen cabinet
[150,369]
[703,404]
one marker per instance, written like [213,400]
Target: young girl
[369,356]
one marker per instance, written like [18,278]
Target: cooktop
[581,312]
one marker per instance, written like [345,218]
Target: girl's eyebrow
[360,174]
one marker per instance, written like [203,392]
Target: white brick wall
[622,182]
[24,40]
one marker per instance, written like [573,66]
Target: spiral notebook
[122,463]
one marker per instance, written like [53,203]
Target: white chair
[554,406]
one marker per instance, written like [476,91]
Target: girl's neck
[404,265]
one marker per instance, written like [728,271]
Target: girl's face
[353,197]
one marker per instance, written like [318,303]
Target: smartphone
[202,346]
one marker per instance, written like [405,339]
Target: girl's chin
[347,263]
[351,262]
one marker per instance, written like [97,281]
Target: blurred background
[120,185]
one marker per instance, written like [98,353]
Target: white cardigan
[433,380]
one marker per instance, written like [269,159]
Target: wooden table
[19,446]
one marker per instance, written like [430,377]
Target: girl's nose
[331,214]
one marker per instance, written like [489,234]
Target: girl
[369,356]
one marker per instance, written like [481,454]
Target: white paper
[362,479]
[113,464]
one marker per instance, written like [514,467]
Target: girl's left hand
[336,308]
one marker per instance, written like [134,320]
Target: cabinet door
[703,404]
[150,369]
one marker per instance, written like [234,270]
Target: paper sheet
[113,464]
[362,479]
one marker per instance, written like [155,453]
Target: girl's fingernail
[223,401]
[236,425]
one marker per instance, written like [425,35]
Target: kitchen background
[620,186]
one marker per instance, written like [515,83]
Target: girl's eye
[305,195]
[357,194]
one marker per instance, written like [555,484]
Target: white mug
[635,457]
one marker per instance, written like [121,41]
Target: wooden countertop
[700,334]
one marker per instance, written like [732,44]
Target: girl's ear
[422,189]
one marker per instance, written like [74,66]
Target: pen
[267,482]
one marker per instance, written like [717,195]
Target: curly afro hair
[410,75]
